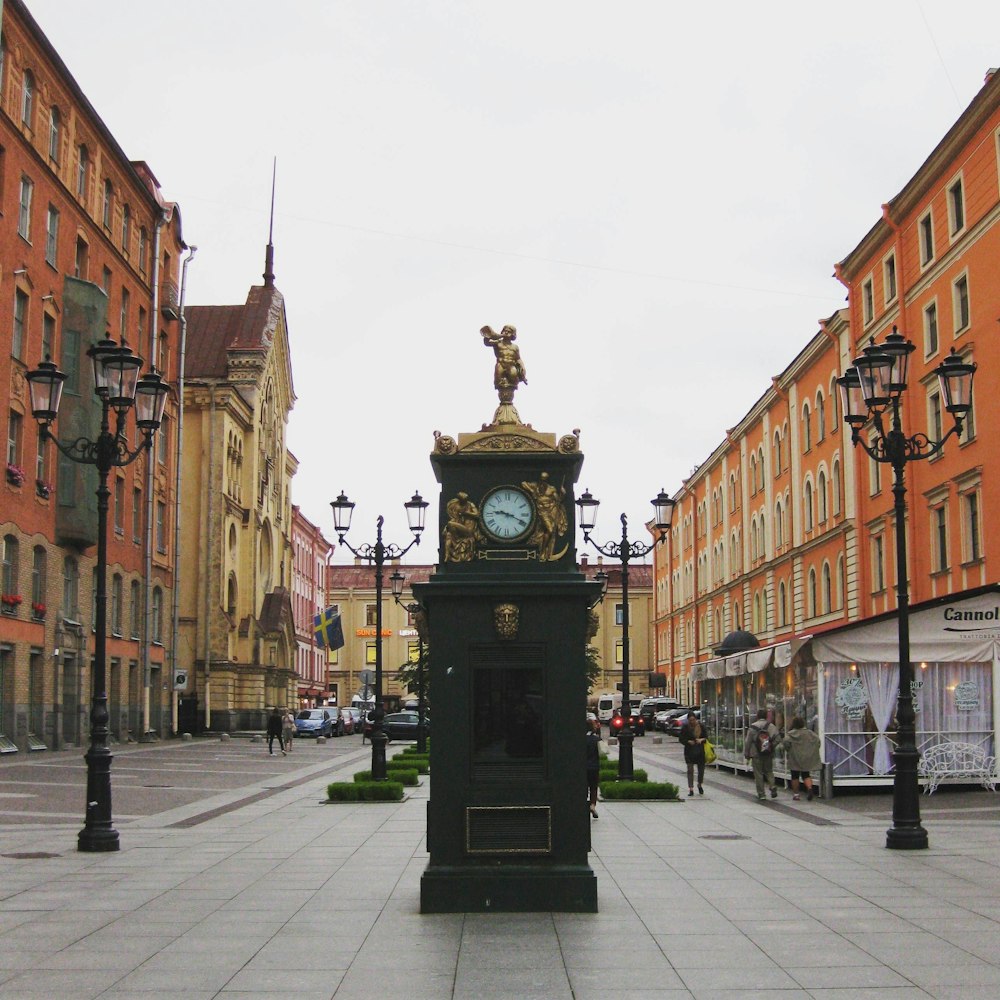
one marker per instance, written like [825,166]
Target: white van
[607,704]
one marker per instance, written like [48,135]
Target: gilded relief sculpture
[508,373]
[506,618]
[461,530]
[551,522]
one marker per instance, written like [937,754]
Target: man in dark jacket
[593,762]
[758,748]
[274,729]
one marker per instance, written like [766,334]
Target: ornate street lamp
[119,388]
[416,508]
[416,610]
[625,551]
[871,391]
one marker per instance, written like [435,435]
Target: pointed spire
[269,253]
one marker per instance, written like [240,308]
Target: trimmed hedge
[367,791]
[421,764]
[611,774]
[403,776]
[639,790]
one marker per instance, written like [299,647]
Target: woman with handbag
[693,738]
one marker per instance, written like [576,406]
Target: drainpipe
[175,604]
[208,560]
[147,545]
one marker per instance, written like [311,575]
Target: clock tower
[508,827]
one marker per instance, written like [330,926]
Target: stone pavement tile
[601,993]
[609,977]
[963,992]
[544,980]
[108,955]
[812,951]
[179,978]
[791,993]
[968,973]
[865,921]
[918,948]
[874,993]
[698,981]
[292,982]
[360,984]
[18,958]
[228,994]
[842,976]
[48,983]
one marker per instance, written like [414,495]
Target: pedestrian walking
[593,762]
[758,748]
[802,753]
[288,729]
[693,739]
[274,730]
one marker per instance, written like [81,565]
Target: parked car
[665,719]
[357,718]
[403,725]
[650,706]
[636,723]
[677,722]
[315,722]
[346,721]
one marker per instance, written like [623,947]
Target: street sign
[366,677]
[180,679]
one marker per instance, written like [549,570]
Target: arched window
[753,474]
[116,604]
[737,616]
[156,613]
[135,608]
[821,495]
[834,416]
[820,416]
[231,595]
[782,607]
[777,454]
[55,133]
[11,587]
[812,594]
[807,496]
[806,428]
[106,209]
[779,526]
[836,486]
[753,539]
[82,167]
[732,492]
[127,230]
[760,467]
[827,589]
[840,582]
[28,98]
[756,612]
[39,563]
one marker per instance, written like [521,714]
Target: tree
[593,665]
[407,674]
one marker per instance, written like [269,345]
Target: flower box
[15,474]
[43,489]
[9,603]
[38,610]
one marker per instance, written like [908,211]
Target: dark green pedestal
[508,889]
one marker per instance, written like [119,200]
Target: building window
[835,479]
[889,277]
[161,526]
[827,590]
[926,232]
[821,496]
[370,614]
[782,604]
[55,133]
[163,440]
[960,302]
[934,420]
[136,515]
[156,614]
[106,207]
[874,471]
[135,607]
[939,520]
[123,316]
[42,465]
[51,235]
[28,98]
[956,208]
[970,527]
[20,324]
[82,167]
[10,567]
[119,505]
[116,604]
[930,329]
[619,651]
[878,564]
[14,438]
[779,526]
[106,280]
[143,249]
[71,588]
[820,416]
[619,614]
[38,581]
[81,263]
[370,653]
[868,301]
[126,228]
[777,454]
[806,428]
[24,208]
[808,505]
[811,595]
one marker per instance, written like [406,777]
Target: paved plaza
[268,891]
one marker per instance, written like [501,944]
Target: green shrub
[638,790]
[611,774]
[405,776]
[419,764]
[369,791]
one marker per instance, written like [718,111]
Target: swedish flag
[328,628]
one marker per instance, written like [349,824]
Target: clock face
[507,514]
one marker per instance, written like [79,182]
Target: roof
[213,331]
[362,577]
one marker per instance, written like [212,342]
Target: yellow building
[237,630]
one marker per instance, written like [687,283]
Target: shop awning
[780,654]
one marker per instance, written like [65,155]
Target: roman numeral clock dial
[507,514]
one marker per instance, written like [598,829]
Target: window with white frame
[807,495]
[82,168]
[960,302]
[51,235]
[874,471]
[878,563]
[820,416]
[836,486]
[619,614]
[840,582]
[925,229]
[889,278]
[806,428]
[779,526]
[106,205]
[971,538]
[811,594]
[934,419]
[55,133]
[782,604]
[931,342]
[777,453]
[939,537]
[868,300]
[956,207]
[24,208]
[821,496]
[20,323]
[827,590]
[14,424]
[28,98]
[126,228]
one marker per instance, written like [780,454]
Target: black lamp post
[416,508]
[872,390]
[119,388]
[416,610]
[624,551]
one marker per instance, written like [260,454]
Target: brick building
[310,557]
[89,249]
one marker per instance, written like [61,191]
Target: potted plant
[38,609]
[43,489]
[15,474]
[10,603]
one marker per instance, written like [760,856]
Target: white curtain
[881,681]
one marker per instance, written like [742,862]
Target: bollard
[224,738]
[186,737]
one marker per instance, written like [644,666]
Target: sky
[653,193]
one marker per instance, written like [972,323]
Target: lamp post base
[625,767]
[379,741]
[906,838]
[98,841]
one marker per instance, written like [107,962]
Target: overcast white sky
[653,193]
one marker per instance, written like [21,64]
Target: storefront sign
[408,633]
[852,698]
[369,633]
[967,696]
